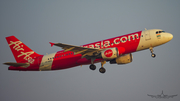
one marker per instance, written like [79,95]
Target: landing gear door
[147,36]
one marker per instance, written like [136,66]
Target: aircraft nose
[170,36]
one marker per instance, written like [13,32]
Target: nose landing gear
[152,54]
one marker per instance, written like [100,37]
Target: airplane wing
[171,96]
[17,64]
[78,50]
[151,95]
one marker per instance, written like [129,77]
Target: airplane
[117,50]
[162,96]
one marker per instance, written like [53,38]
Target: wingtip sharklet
[52,44]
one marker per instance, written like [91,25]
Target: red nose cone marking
[108,53]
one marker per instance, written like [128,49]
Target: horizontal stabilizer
[17,64]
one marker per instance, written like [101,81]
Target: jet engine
[122,59]
[112,53]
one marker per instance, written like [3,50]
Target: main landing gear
[152,54]
[93,67]
[102,69]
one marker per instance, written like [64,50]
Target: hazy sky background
[78,22]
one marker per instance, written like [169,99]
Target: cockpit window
[160,32]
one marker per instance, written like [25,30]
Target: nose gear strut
[152,52]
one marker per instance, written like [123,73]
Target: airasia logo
[108,53]
[25,55]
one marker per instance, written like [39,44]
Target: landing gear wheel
[92,67]
[102,70]
[153,55]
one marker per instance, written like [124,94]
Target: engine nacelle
[122,59]
[112,53]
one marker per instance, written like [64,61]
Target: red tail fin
[20,51]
